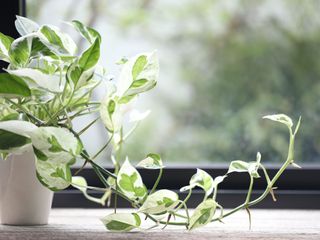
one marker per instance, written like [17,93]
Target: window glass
[224,64]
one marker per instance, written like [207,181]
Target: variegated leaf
[160,201]
[130,182]
[203,214]
[152,161]
[139,74]
[121,222]
[55,150]
[201,179]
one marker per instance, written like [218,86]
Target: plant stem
[88,126]
[103,148]
[250,190]
[157,181]
[38,121]
[272,182]
[109,174]
[215,193]
[185,200]
[131,131]
[168,223]
[268,182]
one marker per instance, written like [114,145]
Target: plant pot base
[23,200]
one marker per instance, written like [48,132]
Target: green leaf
[282,118]
[121,222]
[25,26]
[58,148]
[7,113]
[152,161]
[10,141]
[5,43]
[20,51]
[138,66]
[13,86]
[81,184]
[39,154]
[126,99]
[111,107]
[41,48]
[14,136]
[130,182]
[36,78]
[88,33]
[203,214]
[78,76]
[201,179]
[160,201]
[91,56]
[62,41]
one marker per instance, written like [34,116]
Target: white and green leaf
[14,136]
[36,78]
[282,118]
[81,184]
[121,222]
[152,161]
[5,43]
[63,42]
[22,128]
[20,50]
[55,150]
[203,214]
[112,113]
[159,202]
[11,142]
[238,166]
[77,76]
[139,74]
[250,167]
[130,182]
[87,32]
[25,26]
[201,179]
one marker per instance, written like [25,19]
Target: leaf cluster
[48,83]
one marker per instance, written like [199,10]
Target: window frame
[298,188]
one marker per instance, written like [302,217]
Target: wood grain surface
[84,224]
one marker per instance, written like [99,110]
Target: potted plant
[47,85]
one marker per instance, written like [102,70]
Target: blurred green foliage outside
[233,62]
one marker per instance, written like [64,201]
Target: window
[223,66]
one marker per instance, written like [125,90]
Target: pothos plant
[48,84]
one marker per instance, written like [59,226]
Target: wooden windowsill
[84,224]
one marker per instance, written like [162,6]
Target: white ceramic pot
[23,200]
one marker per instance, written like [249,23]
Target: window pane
[224,64]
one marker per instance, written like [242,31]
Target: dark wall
[8,11]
